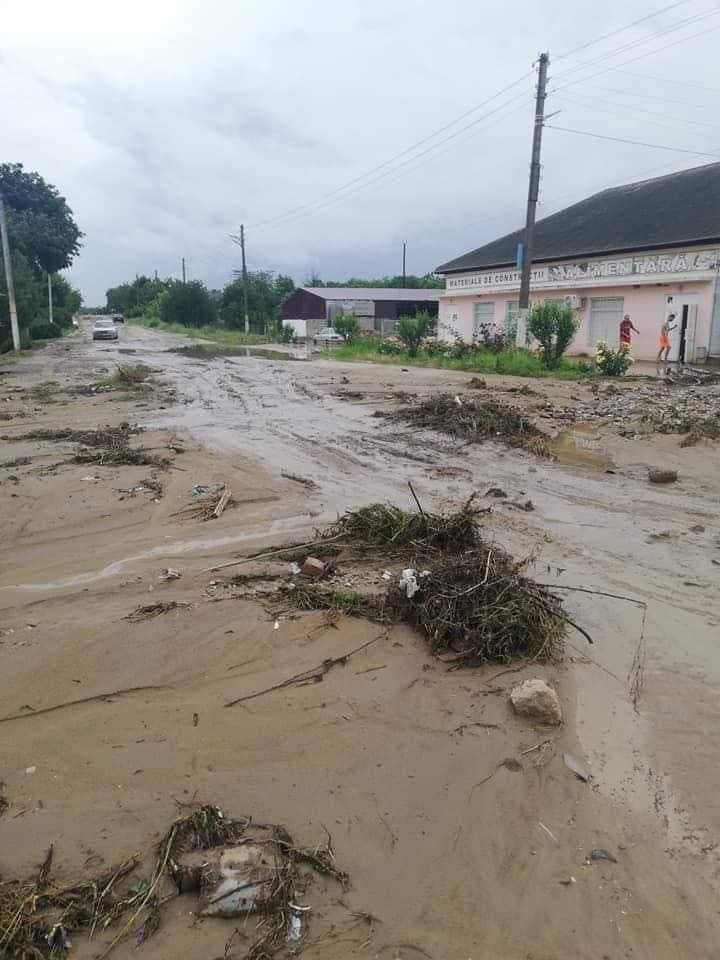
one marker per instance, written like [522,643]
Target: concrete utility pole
[525,251]
[183,269]
[404,252]
[244,279]
[50,303]
[9,277]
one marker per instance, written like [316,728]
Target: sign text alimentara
[586,271]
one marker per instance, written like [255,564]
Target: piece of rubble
[536,700]
[656,475]
[312,567]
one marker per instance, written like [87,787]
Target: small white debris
[169,574]
[408,583]
[30,770]
[387,575]
[276,625]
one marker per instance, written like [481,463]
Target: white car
[104,329]
[328,335]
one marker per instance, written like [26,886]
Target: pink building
[647,249]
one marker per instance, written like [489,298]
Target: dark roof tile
[679,208]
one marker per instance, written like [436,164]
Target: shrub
[153,322]
[613,363]
[286,333]
[490,338]
[45,330]
[553,325]
[413,330]
[347,324]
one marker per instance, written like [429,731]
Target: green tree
[553,325]
[133,299]
[347,324]
[428,281]
[413,330]
[40,222]
[189,304]
[66,301]
[266,291]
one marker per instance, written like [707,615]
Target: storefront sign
[588,272]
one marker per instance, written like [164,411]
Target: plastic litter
[574,765]
[198,489]
[295,923]
[169,574]
[599,853]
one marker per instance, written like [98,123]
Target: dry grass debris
[104,446]
[149,611]
[475,420]
[474,603]
[37,916]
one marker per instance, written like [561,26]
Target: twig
[314,674]
[412,491]
[598,593]
[222,503]
[73,703]
[370,670]
[272,553]
[538,746]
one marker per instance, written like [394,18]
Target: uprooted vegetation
[469,598]
[475,420]
[104,446]
[37,915]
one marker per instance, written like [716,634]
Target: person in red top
[626,328]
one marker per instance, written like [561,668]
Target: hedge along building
[648,249]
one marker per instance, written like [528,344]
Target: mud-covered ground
[453,852]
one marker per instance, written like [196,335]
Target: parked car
[328,335]
[118,318]
[104,329]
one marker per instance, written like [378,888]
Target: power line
[401,154]
[641,56]
[662,97]
[673,80]
[594,101]
[678,25]
[639,143]
[312,208]
[628,26]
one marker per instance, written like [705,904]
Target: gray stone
[536,700]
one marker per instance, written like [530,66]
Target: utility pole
[183,269]
[9,277]
[404,252]
[156,276]
[244,278]
[525,250]
[50,303]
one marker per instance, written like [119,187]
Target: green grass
[512,361]
[215,334]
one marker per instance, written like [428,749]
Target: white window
[483,320]
[605,316]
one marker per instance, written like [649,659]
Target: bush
[347,324]
[189,304]
[45,330]
[490,338]
[153,322]
[613,363]
[413,330]
[286,333]
[553,325]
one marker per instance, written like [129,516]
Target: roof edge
[581,256]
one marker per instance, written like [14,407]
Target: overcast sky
[166,123]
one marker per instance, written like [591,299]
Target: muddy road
[448,868]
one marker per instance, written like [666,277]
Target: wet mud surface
[298,444]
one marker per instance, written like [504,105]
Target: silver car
[104,329]
[328,335]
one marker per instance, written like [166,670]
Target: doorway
[682,338]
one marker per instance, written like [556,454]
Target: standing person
[626,328]
[664,341]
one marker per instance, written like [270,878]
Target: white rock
[535,699]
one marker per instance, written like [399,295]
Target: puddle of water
[579,447]
[208,351]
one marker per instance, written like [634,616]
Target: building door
[483,320]
[682,338]
[605,316]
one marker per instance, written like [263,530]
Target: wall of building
[305,312]
[647,305]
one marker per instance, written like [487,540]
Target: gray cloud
[167,124]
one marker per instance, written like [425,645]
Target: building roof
[679,208]
[375,293]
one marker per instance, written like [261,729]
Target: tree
[133,299]
[413,330]
[66,301]
[40,222]
[553,325]
[429,281]
[347,324]
[187,303]
[266,292]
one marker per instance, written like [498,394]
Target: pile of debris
[468,597]
[236,867]
[209,501]
[104,446]
[475,420]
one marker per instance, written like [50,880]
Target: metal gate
[605,316]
